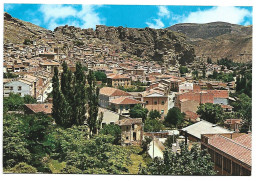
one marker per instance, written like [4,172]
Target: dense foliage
[114,130]
[138,112]
[100,76]
[9,75]
[187,162]
[153,125]
[183,69]
[174,118]
[16,103]
[211,112]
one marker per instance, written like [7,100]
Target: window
[162,111]
[211,152]
[146,102]
[155,102]
[111,122]
[103,124]
[133,126]
[226,164]
[19,88]
[127,137]
[11,88]
[162,102]
[218,160]
[235,169]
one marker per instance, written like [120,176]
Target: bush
[23,168]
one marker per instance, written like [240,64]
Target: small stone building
[132,131]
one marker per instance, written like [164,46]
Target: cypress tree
[56,97]
[80,97]
[92,93]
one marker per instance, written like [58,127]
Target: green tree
[113,130]
[56,108]
[187,162]
[183,70]
[154,114]
[209,61]
[244,108]
[138,112]
[13,103]
[145,144]
[100,76]
[92,97]
[80,96]
[15,147]
[29,99]
[23,168]
[211,112]
[153,125]
[174,118]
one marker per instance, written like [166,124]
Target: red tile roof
[239,148]
[125,100]
[110,91]
[36,108]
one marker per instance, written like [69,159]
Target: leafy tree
[9,75]
[204,71]
[113,130]
[29,99]
[211,112]
[92,97]
[174,118]
[183,70]
[154,114]
[14,102]
[138,112]
[145,144]
[187,162]
[244,108]
[23,168]
[27,42]
[100,76]
[153,125]
[170,140]
[14,144]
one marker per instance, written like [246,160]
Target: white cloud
[54,14]
[89,16]
[229,14]
[157,25]
[163,11]
[56,11]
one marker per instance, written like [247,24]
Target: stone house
[106,94]
[122,105]
[155,100]
[132,131]
[118,80]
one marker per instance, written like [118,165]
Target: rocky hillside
[218,40]
[16,31]
[150,44]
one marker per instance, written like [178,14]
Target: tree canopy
[187,162]
[138,112]
[174,118]
[211,112]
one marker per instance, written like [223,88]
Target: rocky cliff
[218,40]
[16,31]
[150,44]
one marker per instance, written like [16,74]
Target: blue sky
[135,16]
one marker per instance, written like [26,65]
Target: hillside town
[171,103]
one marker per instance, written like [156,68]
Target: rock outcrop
[218,40]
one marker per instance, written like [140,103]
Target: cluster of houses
[164,88]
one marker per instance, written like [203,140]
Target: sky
[50,16]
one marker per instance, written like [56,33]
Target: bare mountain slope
[218,40]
